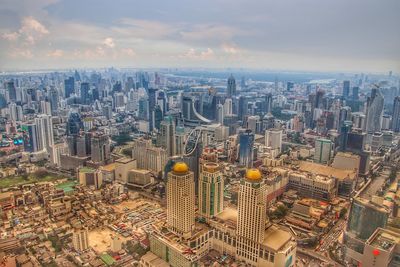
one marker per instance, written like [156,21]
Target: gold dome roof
[180,167]
[253,174]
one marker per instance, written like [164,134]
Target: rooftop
[326,170]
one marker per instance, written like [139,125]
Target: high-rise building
[80,239]
[74,123]
[323,150]
[246,142]
[44,126]
[289,86]
[346,89]
[396,115]
[231,86]
[268,103]
[69,86]
[252,217]
[374,111]
[211,190]
[364,219]
[273,139]
[100,148]
[167,135]
[53,96]
[356,90]
[181,200]
[31,138]
[12,91]
[85,96]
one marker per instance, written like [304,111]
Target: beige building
[80,239]
[211,190]
[140,178]
[181,200]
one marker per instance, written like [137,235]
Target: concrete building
[323,150]
[181,200]
[211,190]
[273,139]
[139,178]
[80,239]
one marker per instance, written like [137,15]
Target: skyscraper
[12,92]
[356,90]
[231,87]
[69,86]
[268,103]
[181,200]
[167,135]
[246,142]
[273,139]
[396,114]
[44,126]
[85,97]
[31,138]
[80,239]
[211,190]
[346,89]
[374,111]
[100,148]
[323,150]
[252,216]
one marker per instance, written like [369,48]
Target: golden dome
[253,174]
[180,167]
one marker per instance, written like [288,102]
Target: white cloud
[201,55]
[10,36]
[21,53]
[109,42]
[56,53]
[230,48]
[128,52]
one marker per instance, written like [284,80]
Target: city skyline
[313,36]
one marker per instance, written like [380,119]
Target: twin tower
[252,206]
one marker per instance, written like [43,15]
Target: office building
[273,139]
[374,110]
[44,126]
[85,96]
[167,135]
[100,148]
[396,115]
[346,89]
[181,200]
[246,143]
[323,150]
[69,87]
[211,190]
[231,87]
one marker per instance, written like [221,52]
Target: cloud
[21,53]
[56,53]
[109,42]
[128,52]
[200,55]
[31,31]
[10,36]
[230,49]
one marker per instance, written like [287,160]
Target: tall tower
[346,89]
[44,127]
[246,142]
[211,190]
[231,88]
[273,139]
[396,115]
[181,200]
[167,135]
[252,216]
[374,111]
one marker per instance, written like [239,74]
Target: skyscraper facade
[69,86]
[181,200]
[211,190]
[374,111]
[346,89]
[246,142]
[231,87]
[252,216]
[396,115]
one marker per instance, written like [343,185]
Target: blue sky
[317,35]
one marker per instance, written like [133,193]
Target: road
[332,235]
[324,261]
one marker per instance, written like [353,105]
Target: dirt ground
[100,239]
